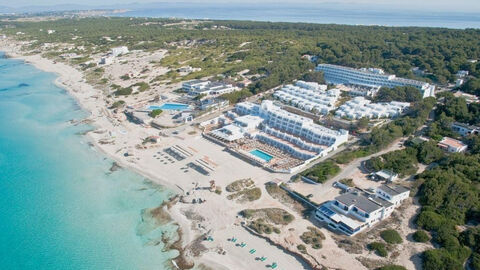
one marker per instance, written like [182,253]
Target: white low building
[309,99]
[194,87]
[359,107]
[311,85]
[119,50]
[465,129]
[393,193]
[451,145]
[201,87]
[353,212]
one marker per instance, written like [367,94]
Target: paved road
[321,190]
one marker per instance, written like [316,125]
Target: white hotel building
[370,77]
[309,97]
[360,107]
[353,212]
[297,135]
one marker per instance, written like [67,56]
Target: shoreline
[58,82]
[72,81]
[184,232]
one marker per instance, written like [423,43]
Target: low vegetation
[239,185]
[123,91]
[321,172]
[249,194]
[243,190]
[275,216]
[117,104]
[379,248]
[261,227]
[391,267]
[156,112]
[421,236]
[284,197]
[313,237]
[302,248]
[391,236]
[347,181]
[141,86]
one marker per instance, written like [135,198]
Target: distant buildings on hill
[371,77]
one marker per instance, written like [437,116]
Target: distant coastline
[317,14]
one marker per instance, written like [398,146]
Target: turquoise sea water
[61,207]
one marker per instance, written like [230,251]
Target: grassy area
[321,172]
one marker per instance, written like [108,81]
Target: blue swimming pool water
[170,106]
[261,155]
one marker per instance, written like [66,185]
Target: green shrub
[313,237]
[155,113]
[391,237]
[123,91]
[421,236]
[117,104]
[440,259]
[142,86]
[302,248]
[379,248]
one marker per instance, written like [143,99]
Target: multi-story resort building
[465,129]
[200,87]
[370,77]
[275,138]
[310,97]
[360,107]
[353,212]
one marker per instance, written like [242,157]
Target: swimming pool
[170,106]
[261,154]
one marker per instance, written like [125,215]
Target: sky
[427,5]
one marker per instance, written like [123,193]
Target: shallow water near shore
[61,206]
